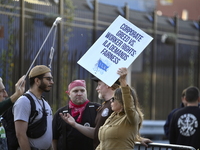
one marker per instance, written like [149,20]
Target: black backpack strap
[34,113]
[64,130]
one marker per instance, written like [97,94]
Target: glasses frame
[48,78]
[112,99]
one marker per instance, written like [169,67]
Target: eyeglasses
[49,78]
[114,99]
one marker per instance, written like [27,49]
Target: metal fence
[159,74]
[162,146]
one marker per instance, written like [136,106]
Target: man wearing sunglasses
[41,81]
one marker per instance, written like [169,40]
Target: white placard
[118,46]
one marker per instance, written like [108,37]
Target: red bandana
[77,110]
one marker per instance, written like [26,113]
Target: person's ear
[37,81]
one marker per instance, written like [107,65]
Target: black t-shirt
[103,113]
[70,138]
[185,127]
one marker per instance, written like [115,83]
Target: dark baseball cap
[97,79]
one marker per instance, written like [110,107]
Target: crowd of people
[82,124]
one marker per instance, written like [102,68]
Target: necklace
[40,103]
[36,96]
[38,100]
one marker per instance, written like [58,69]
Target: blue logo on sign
[101,66]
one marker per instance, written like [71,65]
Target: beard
[100,96]
[43,87]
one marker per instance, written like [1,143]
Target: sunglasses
[112,99]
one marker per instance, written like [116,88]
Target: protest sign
[118,46]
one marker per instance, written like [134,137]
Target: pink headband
[76,83]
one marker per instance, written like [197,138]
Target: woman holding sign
[121,129]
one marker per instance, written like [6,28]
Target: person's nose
[52,82]
[79,93]
[97,88]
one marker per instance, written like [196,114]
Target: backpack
[33,130]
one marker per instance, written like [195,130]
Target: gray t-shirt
[22,110]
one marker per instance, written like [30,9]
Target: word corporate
[134,34]
[119,46]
